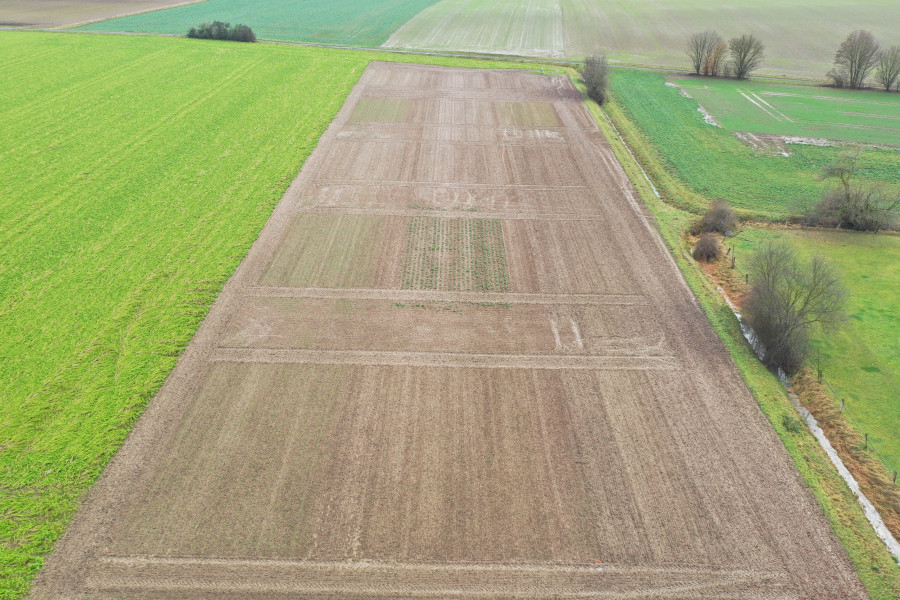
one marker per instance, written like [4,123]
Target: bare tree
[596,77]
[888,69]
[855,59]
[788,299]
[700,48]
[854,205]
[716,61]
[746,54]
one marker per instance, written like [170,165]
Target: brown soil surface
[387,402]
[67,13]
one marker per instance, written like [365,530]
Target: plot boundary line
[426,580]
[448,296]
[447,214]
[624,362]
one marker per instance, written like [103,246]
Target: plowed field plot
[56,13]
[457,362]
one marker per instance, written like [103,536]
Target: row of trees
[858,56]
[709,54]
[217,30]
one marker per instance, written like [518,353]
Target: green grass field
[801,35]
[137,172]
[715,164]
[861,361]
[870,117]
[350,22]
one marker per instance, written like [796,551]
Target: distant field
[862,361]
[136,173]
[352,22]
[715,163]
[55,13]
[817,112]
[801,35]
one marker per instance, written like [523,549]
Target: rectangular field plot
[455,254]
[56,13]
[528,114]
[423,325]
[439,199]
[388,162]
[441,465]
[578,257]
[336,251]
[453,369]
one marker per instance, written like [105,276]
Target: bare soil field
[457,362]
[60,13]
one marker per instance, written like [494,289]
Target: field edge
[873,563]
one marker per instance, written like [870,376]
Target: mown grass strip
[137,173]
[877,569]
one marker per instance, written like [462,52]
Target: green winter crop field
[137,172]
[801,35]
[862,360]
[715,163]
[349,22]
[870,117]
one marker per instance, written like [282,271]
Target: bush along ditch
[217,30]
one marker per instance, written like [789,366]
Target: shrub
[707,248]
[217,30]
[788,298]
[719,218]
[791,424]
[596,77]
[853,205]
[861,208]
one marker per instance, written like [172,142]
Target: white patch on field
[708,118]
[679,88]
[559,344]
[807,141]
[575,331]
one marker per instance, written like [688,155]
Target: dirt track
[457,362]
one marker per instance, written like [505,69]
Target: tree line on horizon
[856,58]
